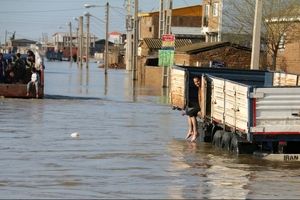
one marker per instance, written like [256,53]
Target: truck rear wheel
[226,140]
[217,138]
[234,144]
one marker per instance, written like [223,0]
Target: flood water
[131,145]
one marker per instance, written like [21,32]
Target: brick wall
[288,59]
[233,57]
[147,28]
[182,59]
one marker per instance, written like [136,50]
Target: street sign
[168,40]
[166,58]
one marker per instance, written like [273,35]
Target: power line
[38,11]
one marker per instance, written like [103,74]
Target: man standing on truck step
[191,111]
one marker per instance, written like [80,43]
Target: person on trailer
[19,68]
[3,66]
[9,73]
[34,81]
[30,63]
[192,111]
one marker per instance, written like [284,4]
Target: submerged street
[130,145]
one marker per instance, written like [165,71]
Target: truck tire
[226,140]
[217,138]
[208,132]
[201,131]
[234,144]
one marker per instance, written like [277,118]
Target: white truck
[243,111]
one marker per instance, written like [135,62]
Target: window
[216,9]
[206,10]
[281,46]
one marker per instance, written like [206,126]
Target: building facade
[288,57]
[212,20]
[186,22]
[203,54]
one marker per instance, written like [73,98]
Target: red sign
[168,40]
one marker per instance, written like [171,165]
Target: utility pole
[77,44]
[256,35]
[71,38]
[128,36]
[220,27]
[136,39]
[106,39]
[5,41]
[87,38]
[169,17]
[165,17]
[81,38]
[161,25]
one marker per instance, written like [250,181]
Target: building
[61,40]
[287,31]
[115,37]
[149,70]
[212,20]
[186,23]
[19,45]
[150,46]
[221,22]
[203,54]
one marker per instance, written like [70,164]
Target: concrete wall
[153,77]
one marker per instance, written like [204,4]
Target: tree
[280,28]
[278,20]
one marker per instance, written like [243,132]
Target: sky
[32,19]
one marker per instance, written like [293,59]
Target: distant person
[29,63]
[3,66]
[19,68]
[34,81]
[192,112]
[9,73]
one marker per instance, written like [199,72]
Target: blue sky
[33,18]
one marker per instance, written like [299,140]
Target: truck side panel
[236,106]
[276,111]
[217,102]
[230,104]
[283,79]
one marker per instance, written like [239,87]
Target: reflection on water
[130,146]
[202,177]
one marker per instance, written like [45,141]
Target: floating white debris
[75,135]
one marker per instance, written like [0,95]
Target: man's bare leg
[195,129]
[190,131]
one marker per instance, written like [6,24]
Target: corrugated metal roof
[155,43]
[205,46]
